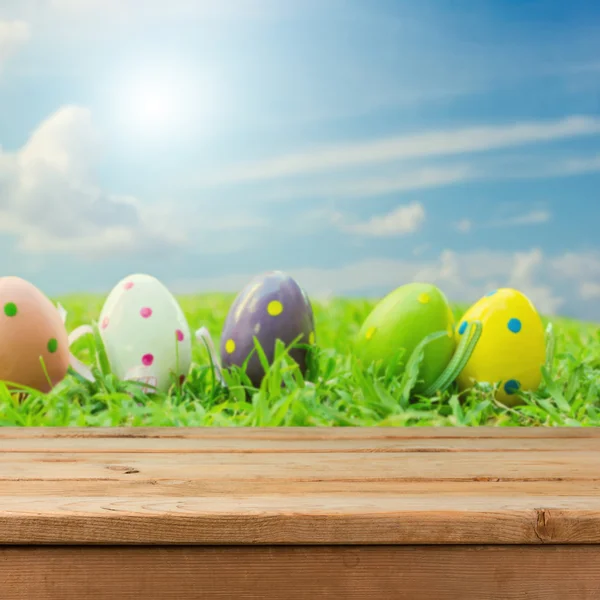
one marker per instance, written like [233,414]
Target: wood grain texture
[292,486]
[298,573]
[341,466]
[293,520]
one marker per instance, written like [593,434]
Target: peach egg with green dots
[35,347]
[512,348]
[271,307]
[413,317]
[145,334]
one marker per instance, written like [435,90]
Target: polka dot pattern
[512,387]
[424,298]
[52,345]
[138,322]
[275,308]
[10,309]
[511,350]
[514,325]
[277,311]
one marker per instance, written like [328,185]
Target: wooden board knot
[542,525]
[123,469]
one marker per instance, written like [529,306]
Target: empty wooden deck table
[349,513]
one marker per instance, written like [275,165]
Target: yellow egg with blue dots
[512,348]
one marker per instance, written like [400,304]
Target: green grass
[340,394]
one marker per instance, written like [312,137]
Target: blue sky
[356,145]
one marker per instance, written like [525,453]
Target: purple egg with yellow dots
[271,307]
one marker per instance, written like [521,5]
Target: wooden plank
[282,486]
[301,433]
[297,573]
[426,466]
[293,520]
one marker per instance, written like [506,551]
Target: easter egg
[397,325]
[272,306]
[511,349]
[31,329]
[145,333]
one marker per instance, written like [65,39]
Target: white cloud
[578,265]
[348,184]
[13,34]
[531,218]
[582,270]
[49,201]
[366,187]
[420,145]
[590,290]
[523,276]
[429,177]
[421,249]
[463,277]
[534,217]
[580,166]
[464,225]
[402,220]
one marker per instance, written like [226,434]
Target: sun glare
[161,100]
[152,105]
[152,100]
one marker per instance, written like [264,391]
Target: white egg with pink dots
[145,333]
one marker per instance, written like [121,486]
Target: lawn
[339,392]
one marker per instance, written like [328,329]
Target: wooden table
[370,513]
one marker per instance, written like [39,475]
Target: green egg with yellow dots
[399,323]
